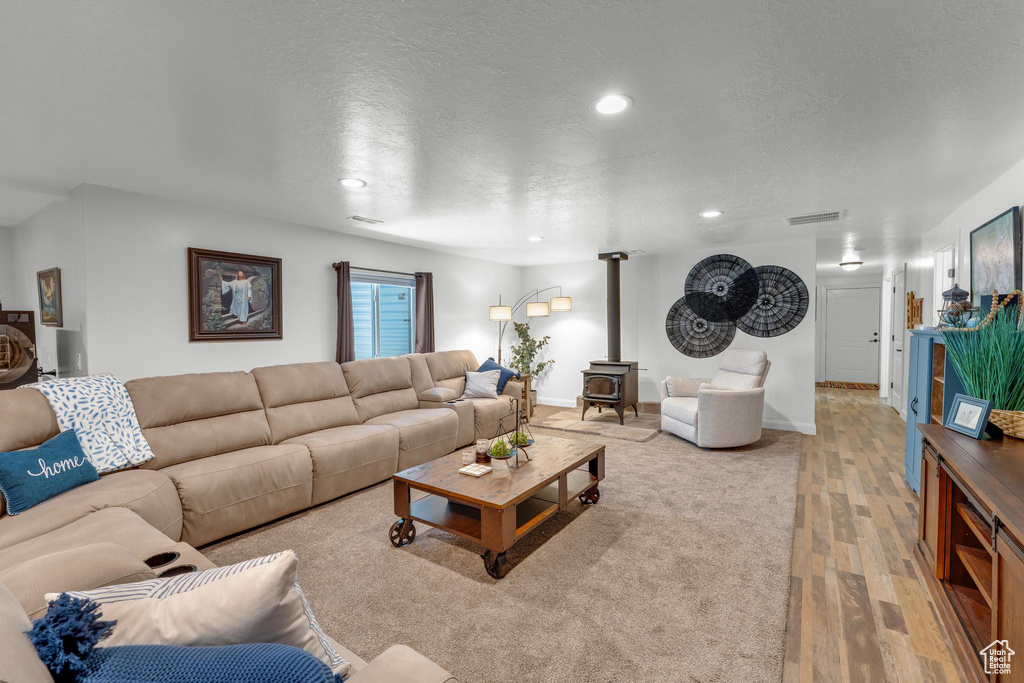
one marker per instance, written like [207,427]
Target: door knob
[873,341]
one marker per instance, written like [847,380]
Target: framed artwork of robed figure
[233,297]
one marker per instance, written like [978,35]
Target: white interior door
[899,329]
[851,334]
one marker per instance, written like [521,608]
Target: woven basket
[1010,421]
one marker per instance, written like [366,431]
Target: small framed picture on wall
[51,307]
[233,297]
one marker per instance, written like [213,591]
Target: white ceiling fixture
[612,104]
[714,213]
[851,265]
[352,182]
[535,238]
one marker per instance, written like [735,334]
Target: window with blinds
[383,310]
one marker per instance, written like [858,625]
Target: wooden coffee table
[499,508]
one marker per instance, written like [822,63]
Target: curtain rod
[375,270]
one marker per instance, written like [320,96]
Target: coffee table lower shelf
[496,529]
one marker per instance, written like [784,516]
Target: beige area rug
[679,573]
[605,423]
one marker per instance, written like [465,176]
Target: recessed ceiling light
[535,238]
[851,265]
[714,213]
[352,182]
[612,104]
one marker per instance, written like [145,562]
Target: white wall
[1001,194]
[6,266]
[54,237]
[650,285]
[136,282]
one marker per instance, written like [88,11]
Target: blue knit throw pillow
[253,663]
[66,637]
[28,478]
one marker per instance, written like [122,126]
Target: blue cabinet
[932,383]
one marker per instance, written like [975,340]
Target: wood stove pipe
[614,313]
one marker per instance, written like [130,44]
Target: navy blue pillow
[505,375]
[254,663]
[27,478]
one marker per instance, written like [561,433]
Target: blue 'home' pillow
[27,478]
[505,375]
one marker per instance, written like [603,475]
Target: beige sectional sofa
[235,450]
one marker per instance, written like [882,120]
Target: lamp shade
[561,303]
[499,313]
[537,309]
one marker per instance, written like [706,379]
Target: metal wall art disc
[781,303]
[696,336]
[721,288]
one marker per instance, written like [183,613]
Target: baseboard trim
[560,402]
[808,428]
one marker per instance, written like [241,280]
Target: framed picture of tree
[233,297]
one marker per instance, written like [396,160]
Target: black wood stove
[612,383]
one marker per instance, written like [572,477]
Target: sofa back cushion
[304,397]
[380,386]
[421,379]
[185,417]
[741,369]
[448,368]
[26,419]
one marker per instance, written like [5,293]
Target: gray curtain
[346,328]
[424,312]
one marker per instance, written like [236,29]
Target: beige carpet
[606,423]
[679,573]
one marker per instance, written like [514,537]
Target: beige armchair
[722,412]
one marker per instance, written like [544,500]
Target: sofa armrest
[513,388]
[729,417]
[401,664]
[438,395]
[75,569]
[681,386]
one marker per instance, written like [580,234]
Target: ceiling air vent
[364,219]
[817,217]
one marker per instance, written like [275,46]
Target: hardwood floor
[858,610]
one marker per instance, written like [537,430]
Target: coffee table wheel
[590,496]
[398,539]
[496,568]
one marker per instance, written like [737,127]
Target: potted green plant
[524,356]
[521,439]
[988,359]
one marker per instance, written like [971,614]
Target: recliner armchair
[723,412]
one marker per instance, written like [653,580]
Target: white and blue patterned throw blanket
[101,412]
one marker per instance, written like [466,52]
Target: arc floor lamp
[502,314]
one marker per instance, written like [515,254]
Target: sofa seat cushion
[224,494]
[487,412]
[149,493]
[19,661]
[72,569]
[349,458]
[422,434]
[110,525]
[682,408]
[401,664]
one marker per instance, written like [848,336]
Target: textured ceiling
[472,123]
